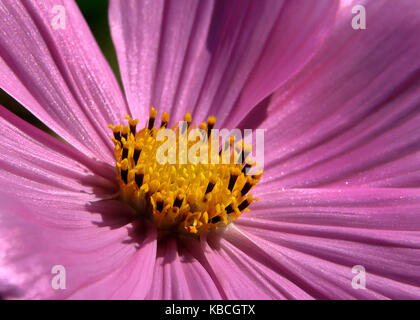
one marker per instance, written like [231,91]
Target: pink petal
[212,56]
[60,75]
[133,279]
[243,272]
[178,275]
[38,167]
[351,117]
[92,252]
[320,234]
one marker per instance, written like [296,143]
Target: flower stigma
[186,197]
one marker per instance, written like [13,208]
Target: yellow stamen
[165,120]
[189,198]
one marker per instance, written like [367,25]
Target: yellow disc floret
[185,197]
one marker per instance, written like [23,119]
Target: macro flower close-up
[326,207]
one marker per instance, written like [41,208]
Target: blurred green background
[96,15]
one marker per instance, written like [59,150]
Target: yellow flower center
[188,197]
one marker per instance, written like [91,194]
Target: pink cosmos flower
[342,162]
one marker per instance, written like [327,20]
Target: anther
[165,120]
[124,133]
[210,186]
[133,129]
[125,153]
[203,127]
[124,175]
[244,153]
[243,205]
[188,119]
[133,124]
[159,205]
[246,167]
[248,185]
[257,175]
[215,219]
[159,202]
[232,180]
[136,155]
[152,117]
[178,201]
[229,209]
[117,136]
[138,177]
[116,130]
[227,144]
[124,170]
[211,121]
